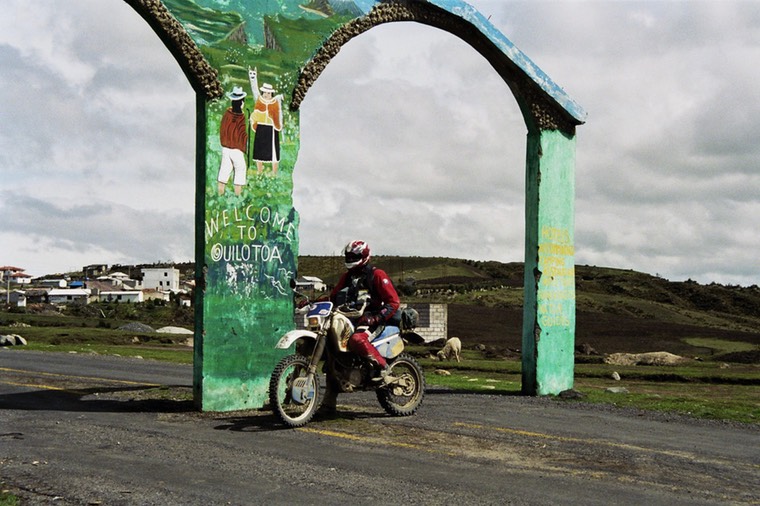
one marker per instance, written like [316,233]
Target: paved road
[85,429]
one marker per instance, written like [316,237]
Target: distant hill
[617,310]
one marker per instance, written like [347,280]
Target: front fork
[316,355]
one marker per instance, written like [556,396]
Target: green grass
[148,352]
[702,390]
[709,390]
[720,346]
[8,499]
[719,402]
[476,381]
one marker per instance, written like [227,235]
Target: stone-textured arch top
[455,16]
[541,99]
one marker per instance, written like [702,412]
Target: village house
[121,296]
[97,286]
[312,283]
[69,296]
[94,271]
[151,294]
[17,298]
[162,278]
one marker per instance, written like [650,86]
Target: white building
[162,278]
[121,296]
[310,283]
[69,296]
[17,298]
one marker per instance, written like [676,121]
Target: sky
[424,153]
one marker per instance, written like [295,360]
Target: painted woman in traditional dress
[266,122]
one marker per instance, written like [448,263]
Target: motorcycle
[295,390]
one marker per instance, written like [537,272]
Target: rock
[12,340]
[571,394]
[615,376]
[442,372]
[137,327]
[616,390]
[174,330]
[651,358]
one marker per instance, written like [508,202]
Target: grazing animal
[452,348]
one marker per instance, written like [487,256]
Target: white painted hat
[237,93]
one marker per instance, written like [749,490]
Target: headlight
[314,321]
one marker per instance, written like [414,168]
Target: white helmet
[356,254]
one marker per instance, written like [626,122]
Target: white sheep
[452,348]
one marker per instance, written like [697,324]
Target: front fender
[291,337]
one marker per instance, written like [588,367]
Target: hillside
[617,310]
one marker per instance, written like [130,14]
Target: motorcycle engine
[349,376]
[349,379]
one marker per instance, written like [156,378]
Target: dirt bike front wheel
[403,396]
[293,393]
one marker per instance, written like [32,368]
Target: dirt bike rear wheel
[293,397]
[403,397]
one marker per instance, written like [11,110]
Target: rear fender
[412,337]
[291,337]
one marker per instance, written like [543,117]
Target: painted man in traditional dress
[233,134]
[266,122]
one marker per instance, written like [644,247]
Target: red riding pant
[359,343]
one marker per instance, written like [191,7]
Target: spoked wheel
[293,394]
[404,394]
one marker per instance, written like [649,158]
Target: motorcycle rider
[360,276]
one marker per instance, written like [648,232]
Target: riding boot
[330,402]
[380,373]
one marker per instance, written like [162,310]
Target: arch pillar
[548,341]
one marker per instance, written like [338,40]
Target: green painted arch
[247,241]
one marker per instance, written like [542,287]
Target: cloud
[101,226]
[98,121]
[409,139]
[391,179]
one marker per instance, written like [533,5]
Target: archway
[247,229]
